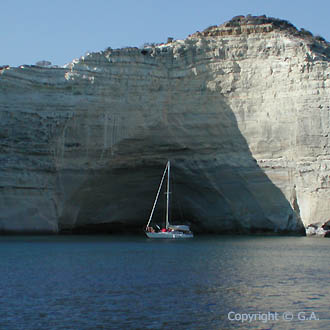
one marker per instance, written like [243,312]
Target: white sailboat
[170,231]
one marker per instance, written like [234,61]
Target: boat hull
[169,235]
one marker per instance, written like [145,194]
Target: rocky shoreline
[315,230]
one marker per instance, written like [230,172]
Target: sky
[61,30]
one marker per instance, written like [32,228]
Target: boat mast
[155,202]
[168,193]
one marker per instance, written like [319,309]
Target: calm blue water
[111,282]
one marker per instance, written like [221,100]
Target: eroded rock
[242,110]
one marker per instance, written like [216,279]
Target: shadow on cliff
[218,185]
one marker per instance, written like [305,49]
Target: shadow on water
[219,187]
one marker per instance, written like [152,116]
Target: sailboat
[170,231]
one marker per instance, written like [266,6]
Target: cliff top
[257,24]
[245,25]
[238,25]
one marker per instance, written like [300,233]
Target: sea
[131,282]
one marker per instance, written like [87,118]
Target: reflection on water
[131,282]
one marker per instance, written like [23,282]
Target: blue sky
[61,30]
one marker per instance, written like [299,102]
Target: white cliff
[241,109]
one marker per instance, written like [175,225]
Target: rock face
[242,110]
